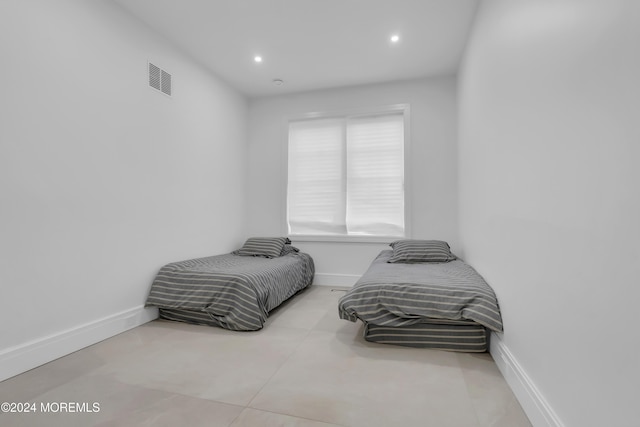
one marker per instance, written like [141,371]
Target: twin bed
[234,291]
[418,294]
[427,299]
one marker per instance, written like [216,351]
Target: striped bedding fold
[399,295]
[234,292]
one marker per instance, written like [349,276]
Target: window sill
[344,239]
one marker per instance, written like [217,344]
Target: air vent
[165,82]
[159,79]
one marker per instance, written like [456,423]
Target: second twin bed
[427,298]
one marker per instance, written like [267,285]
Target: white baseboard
[18,359]
[532,401]
[326,279]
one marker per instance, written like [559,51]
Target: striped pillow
[414,251]
[270,247]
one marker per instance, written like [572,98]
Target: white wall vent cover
[159,79]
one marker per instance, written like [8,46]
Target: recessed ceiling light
[395,38]
[257,58]
[278,82]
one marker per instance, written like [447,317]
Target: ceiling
[313,44]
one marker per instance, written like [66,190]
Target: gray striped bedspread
[237,292]
[391,294]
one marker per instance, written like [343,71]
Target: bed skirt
[466,337]
[189,316]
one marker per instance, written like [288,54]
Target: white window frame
[388,109]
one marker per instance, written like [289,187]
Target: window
[346,175]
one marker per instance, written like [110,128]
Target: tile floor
[305,368]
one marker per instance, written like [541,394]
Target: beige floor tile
[209,363]
[316,308]
[295,317]
[177,410]
[492,398]
[255,418]
[30,384]
[307,308]
[319,297]
[111,396]
[121,404]
[331,322]
[362,384]
[513,416]
[40,419]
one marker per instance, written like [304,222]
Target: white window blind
[346,176]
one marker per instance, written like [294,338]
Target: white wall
[103,179]
[549,196]
[433,167]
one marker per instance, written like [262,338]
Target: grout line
[294,416]
[467,387]
[302,340]
[304,337]
[279,368]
